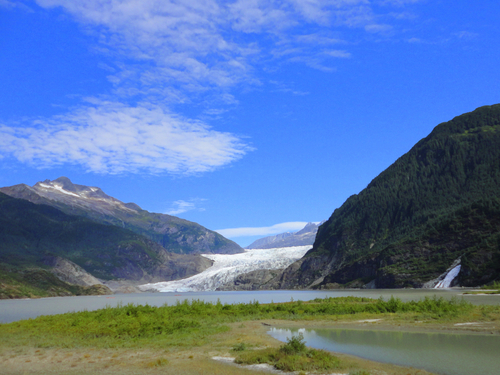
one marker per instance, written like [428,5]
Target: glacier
[227,267]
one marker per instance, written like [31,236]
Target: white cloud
[181,206]
[113,138]
[15,4]
[204,44]
[338,53]
[257,16]
[165,52]
[398,3]
[467,35]
[263,231]
[415,40]
[377,28]
[319,39]
[172,42]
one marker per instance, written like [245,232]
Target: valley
[432,219]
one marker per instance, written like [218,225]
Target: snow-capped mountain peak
[303,237]
[66,191]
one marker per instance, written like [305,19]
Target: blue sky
[250,115]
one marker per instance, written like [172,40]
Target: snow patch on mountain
[59,188]
[227,267]
[64,190]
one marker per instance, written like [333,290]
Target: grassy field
[184,338]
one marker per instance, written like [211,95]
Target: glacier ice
[227,267]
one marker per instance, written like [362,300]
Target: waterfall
[450,276]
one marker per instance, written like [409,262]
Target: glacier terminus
[227,267]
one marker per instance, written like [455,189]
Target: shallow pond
[446,354]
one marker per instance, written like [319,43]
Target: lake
[447,354]
[12,310]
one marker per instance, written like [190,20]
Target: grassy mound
[292,356]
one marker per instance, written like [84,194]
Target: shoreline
[468,328]
[189,361]
[26,358]
[183,337]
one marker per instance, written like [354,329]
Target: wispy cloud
[262,231]
[15,4]
[283,87]
[196,45]
[378,28]
[113,138]
[181,206]
[399,3]
[160,53]
[467,35]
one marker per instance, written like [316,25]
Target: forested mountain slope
[33,237]
[438,203]
[174,234]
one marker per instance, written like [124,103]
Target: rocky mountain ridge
[303,237]
[174,234]
[36,238]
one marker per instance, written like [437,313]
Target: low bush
[294,345]
[292,356]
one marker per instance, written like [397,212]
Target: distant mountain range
[174,234]
[436,207]
[303,237]
[60,238]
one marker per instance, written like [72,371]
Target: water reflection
[436,352]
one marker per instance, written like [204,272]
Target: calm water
[444,354]
[12,310]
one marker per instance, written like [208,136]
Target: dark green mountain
[174,234]
[35,237]
[436,205]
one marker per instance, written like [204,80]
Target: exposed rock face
[303,237]
[175,234]
[70,272]
[97,289]
[255,280]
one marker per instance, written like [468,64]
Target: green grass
[494,285]
[192,323]
[493,288]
